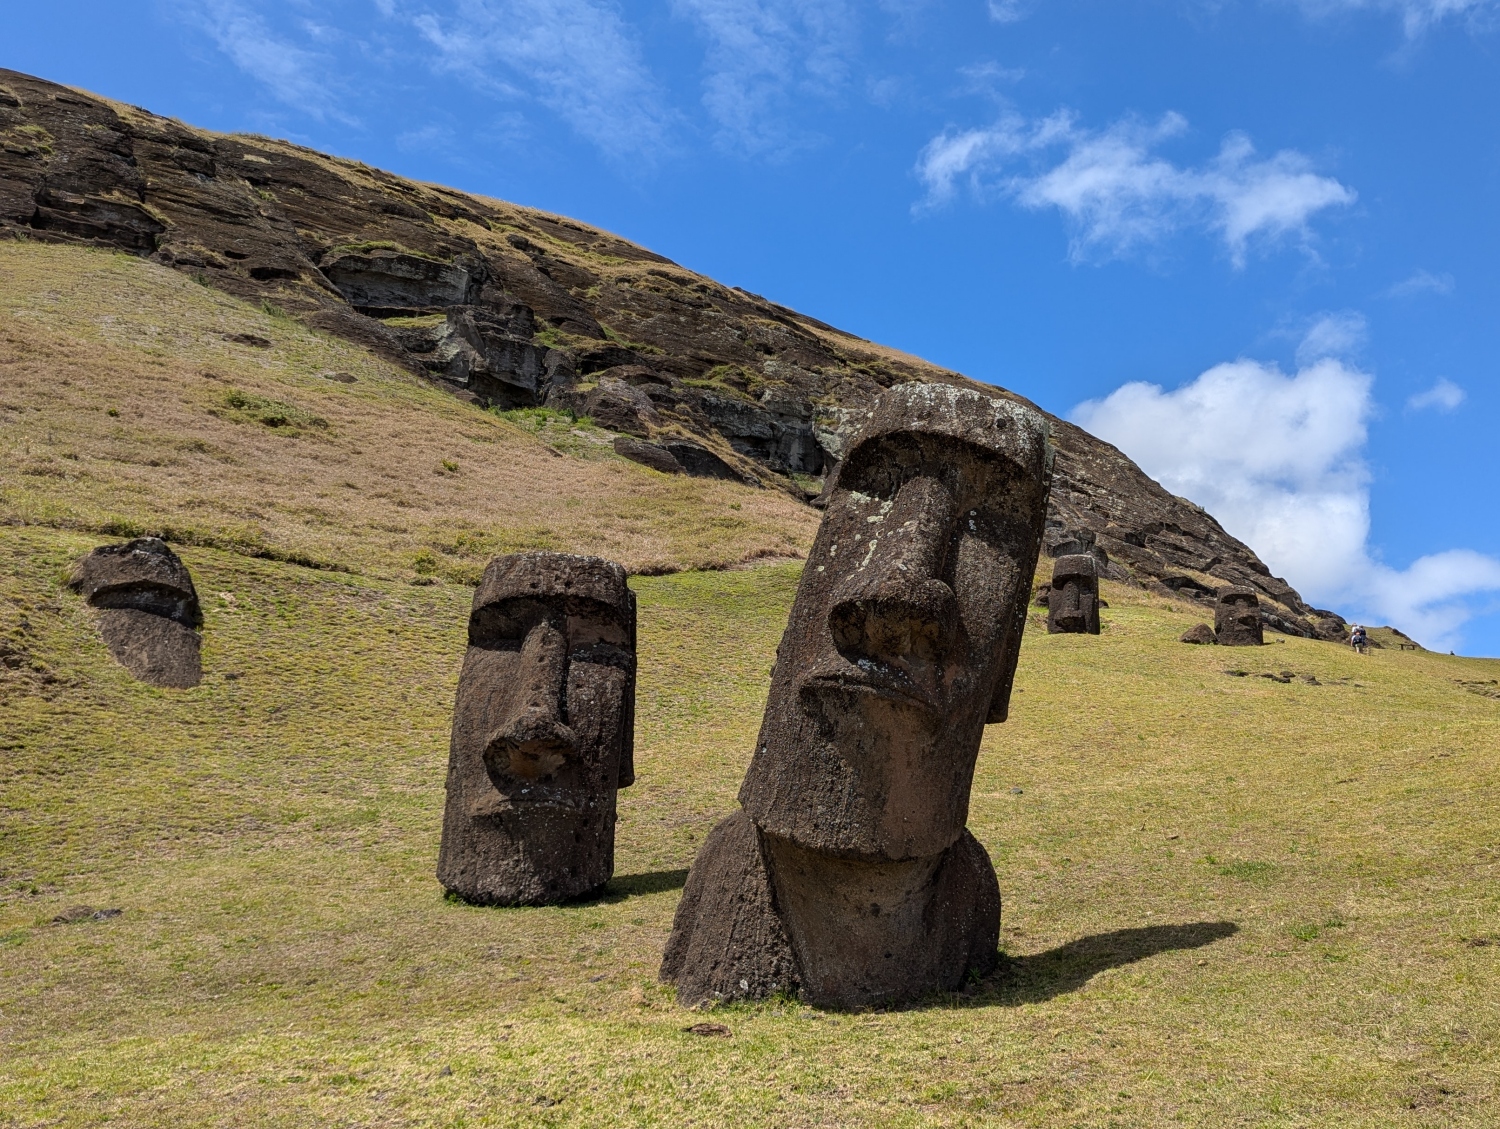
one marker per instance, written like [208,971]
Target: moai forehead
[582,588]
[1003,427]
[1073,567]
[144,574]
[1237,596]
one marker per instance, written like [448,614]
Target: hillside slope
[514,307]
[1228,901]
[134,400]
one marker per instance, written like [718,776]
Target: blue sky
[1255,243]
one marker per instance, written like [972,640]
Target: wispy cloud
[1444,396]
[1338,335]
[1008,11]
[762,56]
[1421,282]
[1416,15]
[1279,459]
[578,58]
[291,74]
[1119,195]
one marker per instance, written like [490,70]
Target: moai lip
[850,874]
[148,610]
[1237,618]
[543,731]
[1073,603]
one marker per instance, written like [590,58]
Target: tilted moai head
[850,872]
[1073,603]
[903,638]
[543,731]
[1237,618]
[148,610]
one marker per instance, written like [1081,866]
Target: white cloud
[764,54]
[1416,15]
[1279,460]
[1421,282]
[1444,396]
[1332,335]
[1119,195]
[1007,11]
[292,74]
[576,57]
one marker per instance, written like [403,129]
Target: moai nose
[535,742]
[893,607]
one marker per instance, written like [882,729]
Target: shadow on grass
[1041,976]
[623,886]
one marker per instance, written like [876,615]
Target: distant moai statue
[148,610]
[543,731]
[1237,618]
[849,874]
[1073,602]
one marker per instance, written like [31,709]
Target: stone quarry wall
[513,307]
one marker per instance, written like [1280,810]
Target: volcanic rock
[1200,634]
[849,874]
[1237,618]
[148,610]
[1073,598]
[543,731]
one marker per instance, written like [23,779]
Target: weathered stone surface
[1073,599]
[543,731]
[1237,618]
[902,642]
[1201,634]
[727,941]
[621,407]
[652,455]
[392,283]
[148,610]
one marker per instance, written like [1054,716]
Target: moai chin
[148,610]
[1237,618]
[543,731]
[1073,602]
[849,873]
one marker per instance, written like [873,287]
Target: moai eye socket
[504,624]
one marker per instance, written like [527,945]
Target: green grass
[1219,908]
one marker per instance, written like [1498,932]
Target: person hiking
[1358,639]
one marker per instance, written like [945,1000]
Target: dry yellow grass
[124,407]
[1229,899]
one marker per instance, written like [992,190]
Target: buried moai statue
[543,731]
[148,610]
[849,874]
[1073,602]
[1237,618]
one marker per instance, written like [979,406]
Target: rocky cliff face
[510,307]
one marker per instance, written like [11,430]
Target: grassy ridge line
[127,408]
[1227,900]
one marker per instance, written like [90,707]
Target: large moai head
[1073,603]
[903,638]
[543,731]
[148,610]
[1237,618]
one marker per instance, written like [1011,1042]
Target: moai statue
[1073,602]
[1237,618]
[543,731]
[148,610]
[849,873]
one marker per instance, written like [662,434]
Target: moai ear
[1000,699]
